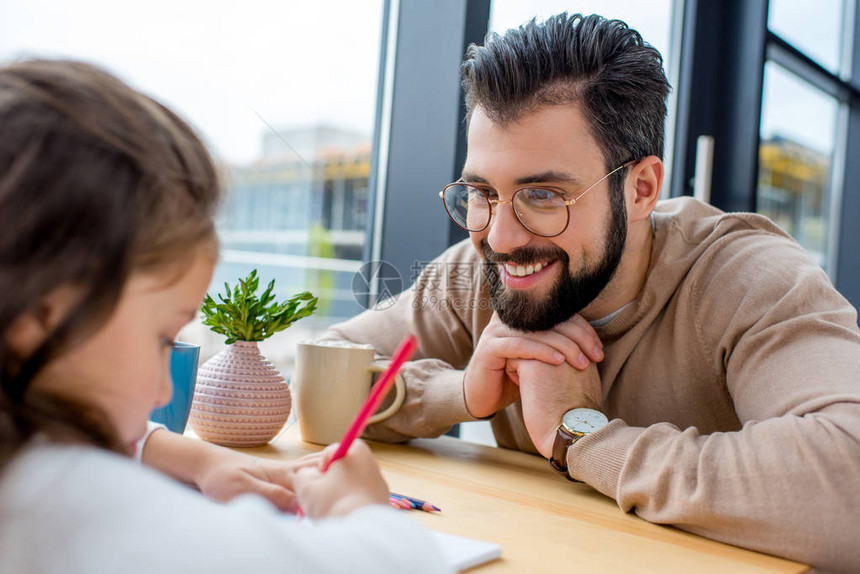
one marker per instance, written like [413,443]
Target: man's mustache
[523,255]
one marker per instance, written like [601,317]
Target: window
[803,123]
[795,159]
[816,30]
[283,94]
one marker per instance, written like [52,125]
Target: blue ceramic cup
[183,371]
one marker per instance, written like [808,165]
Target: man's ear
[31,328]
[643,187]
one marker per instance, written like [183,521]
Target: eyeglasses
[542,210]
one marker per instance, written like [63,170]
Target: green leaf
[243,316]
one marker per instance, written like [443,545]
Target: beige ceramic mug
[330,384]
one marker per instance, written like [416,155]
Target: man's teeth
[523,270]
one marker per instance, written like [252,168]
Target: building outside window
[796,159]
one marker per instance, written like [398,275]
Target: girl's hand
[350,483]
[220,473]
[231,473]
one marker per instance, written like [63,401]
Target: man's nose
[506,232]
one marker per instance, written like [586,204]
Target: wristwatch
[575,424]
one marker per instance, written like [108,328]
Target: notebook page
[463,553]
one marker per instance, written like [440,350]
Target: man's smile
[524,276]
[523,270]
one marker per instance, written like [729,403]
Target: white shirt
[76,509]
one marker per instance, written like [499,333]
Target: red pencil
[404,351]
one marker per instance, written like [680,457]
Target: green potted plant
[241,399]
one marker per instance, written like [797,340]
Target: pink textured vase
[241,399]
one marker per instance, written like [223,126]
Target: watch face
[584,420]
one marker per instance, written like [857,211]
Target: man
[724,361]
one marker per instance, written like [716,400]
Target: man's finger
[525,348]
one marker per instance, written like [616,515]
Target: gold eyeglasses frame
[567,203]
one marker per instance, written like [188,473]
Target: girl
[107,246]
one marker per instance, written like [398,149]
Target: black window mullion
[786,55]
[848,263]
[719,95]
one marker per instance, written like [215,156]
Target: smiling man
[694,365]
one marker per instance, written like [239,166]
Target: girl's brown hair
[96,181]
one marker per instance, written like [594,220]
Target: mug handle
[399,396]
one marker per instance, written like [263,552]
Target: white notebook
[463,553]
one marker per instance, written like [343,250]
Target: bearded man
[694,365]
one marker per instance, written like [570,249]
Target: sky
[295,63]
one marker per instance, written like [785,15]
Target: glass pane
[651,18]
[798,128]
[815,29]
[284,95]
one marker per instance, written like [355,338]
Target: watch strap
[563,440]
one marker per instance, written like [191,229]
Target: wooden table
[543,522]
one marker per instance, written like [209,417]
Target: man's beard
[570,294]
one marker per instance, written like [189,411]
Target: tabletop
[543,522]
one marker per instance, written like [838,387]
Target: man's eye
[537,194]
[540,198]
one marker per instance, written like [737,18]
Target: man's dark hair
[602,65]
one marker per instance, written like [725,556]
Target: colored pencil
[399,503]
[404,351]
[416,503]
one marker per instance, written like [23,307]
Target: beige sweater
[732,383]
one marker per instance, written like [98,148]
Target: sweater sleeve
[141,444]
[444,309]
[787,347]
